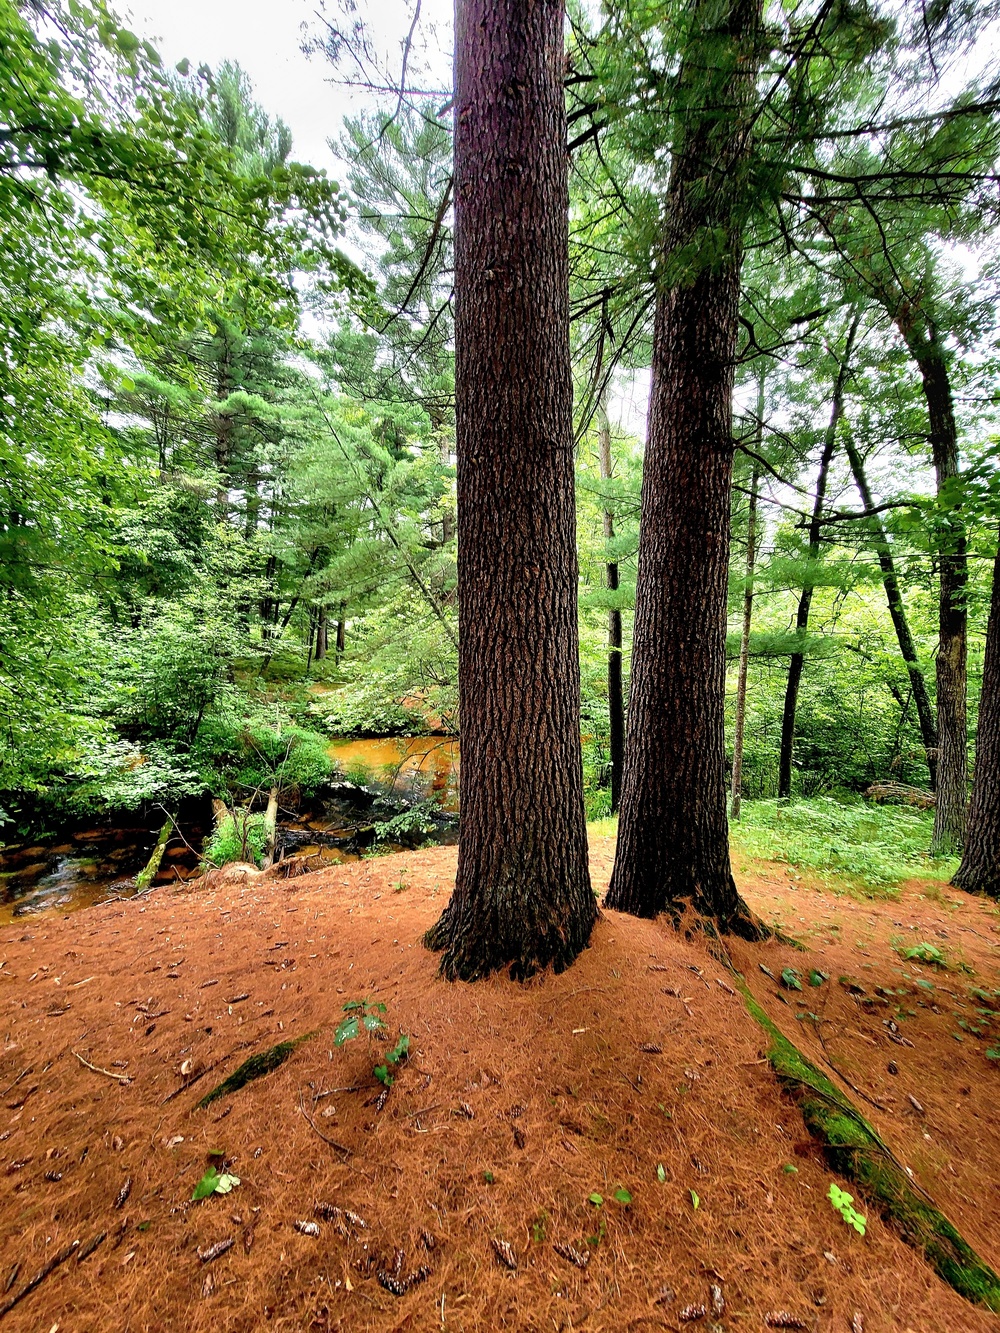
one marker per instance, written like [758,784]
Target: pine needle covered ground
[620,1115]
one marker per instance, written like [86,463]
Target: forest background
[226,462]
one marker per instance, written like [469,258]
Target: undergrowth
[863,847]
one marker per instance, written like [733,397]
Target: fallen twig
[332,1142]
[108,1073]
[23,1074]
[39,1277]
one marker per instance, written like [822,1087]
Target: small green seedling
[790,978]
[365,1016]
[844,1204]
[623,1197]
[214,1182]
[489,1178]
[816,977]
[790,1170]
[360,1016]
[661,1174]
[695,1201]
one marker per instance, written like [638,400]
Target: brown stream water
[91,865]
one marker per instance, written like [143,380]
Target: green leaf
[347,1029]
[226,1183]
[661,1175]
[790,978]
[596,1199]
[206,1185]
[623,1196]
[816,977]
[695,1201]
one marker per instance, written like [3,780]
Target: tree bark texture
[952,726]
[897,612]
[736,794]
[522,893]
[797,662]
[980,868]
[321,634]
[616,696]
[673,838]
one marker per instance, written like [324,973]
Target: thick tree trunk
[616,697]
[897,612]
[342,630]
[805,599]
[736,795]
[673,839]
[952,727]
[522,892]
[980,868]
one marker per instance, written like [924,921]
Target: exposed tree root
[854,1148]
[256,1067]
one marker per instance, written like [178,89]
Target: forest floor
[638,1070]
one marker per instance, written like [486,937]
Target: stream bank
[409,780]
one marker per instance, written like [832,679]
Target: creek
[81,866]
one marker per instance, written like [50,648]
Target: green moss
[256,1067]
[855,1149]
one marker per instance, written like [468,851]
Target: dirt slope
[517,1105]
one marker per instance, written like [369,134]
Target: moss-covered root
[256,1067]
[854,1148]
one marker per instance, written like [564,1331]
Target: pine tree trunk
[673,838]
[952,726]
[342,630]
[736,796]
[897,612]
[522,893]
[980,868]
[616,697]
[797,662]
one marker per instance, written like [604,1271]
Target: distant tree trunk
[321,633]
[342,630]
[673,838]
[522,892]
[616,698]
[146,876]
[741,683]
[805,599]
[953,742]
[980,868]
[897,612]
[223,425]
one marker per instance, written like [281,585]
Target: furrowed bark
[673,843]
[522,892]
[980,868]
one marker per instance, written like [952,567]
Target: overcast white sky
[265,38]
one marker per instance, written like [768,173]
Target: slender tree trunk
[741,683]
[805,599]
[342,630]
[616,697]
[270,828]
[897,612]
[980,868]
[522,892]
[223,425]
[146,876]
[952,726]
[673,839]
[321,634]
